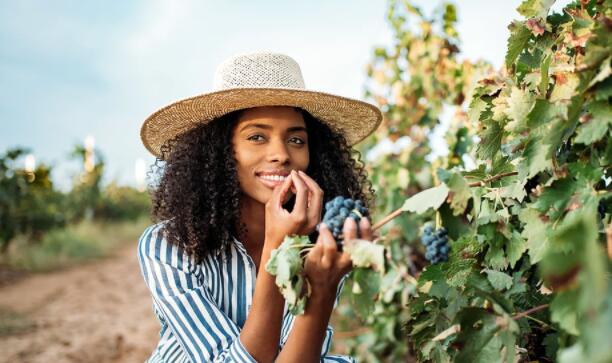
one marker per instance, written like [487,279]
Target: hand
[325,265]
[306,212]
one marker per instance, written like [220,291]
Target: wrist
[271,242]
[323,296]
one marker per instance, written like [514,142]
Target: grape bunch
[338,210]
[436,244]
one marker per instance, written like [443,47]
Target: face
[268,143]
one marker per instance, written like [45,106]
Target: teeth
[273,177]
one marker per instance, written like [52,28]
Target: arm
[308,331]
[266,315]
[326,269]
[202,330]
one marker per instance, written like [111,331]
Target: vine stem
[526,313]
[479,183]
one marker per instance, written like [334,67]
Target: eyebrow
[268,127]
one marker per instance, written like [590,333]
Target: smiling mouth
[271,180]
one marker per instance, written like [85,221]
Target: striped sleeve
[204,332]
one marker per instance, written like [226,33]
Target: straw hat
[253,80]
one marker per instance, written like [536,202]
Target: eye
[254,136]
[299,141]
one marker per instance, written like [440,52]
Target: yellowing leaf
[520,103]
[366,254]
[535,8]
[565,86]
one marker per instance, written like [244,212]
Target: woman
[245,166]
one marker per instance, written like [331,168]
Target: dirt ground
[96,312]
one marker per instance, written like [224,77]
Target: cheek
[302,159]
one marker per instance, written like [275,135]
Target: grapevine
[528,223]
[527,276]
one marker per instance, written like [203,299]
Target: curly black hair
[198,194]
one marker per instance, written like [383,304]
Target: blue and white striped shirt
[202,307]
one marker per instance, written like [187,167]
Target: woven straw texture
[253,80]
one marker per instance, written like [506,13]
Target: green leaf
[597,126]
[460,193]
[563,311]
[516,190]
[519,35]
[515,248]
[544,112]
[535,158]
[499,280]
[478,336]
[535,232]
[535,8]
[555,197]
[368,282]
[286,264]
[459,271]
[428,198]
[544,79]
[490,142]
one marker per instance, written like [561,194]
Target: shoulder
[153,246]
[151,237]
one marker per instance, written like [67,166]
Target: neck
[253,214]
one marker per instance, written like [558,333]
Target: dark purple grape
[339,209]
[436,243]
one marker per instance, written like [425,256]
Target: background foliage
[528,174]
[31,207]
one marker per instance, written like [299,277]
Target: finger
[316,252]
[315,205]
[365,229]
[344,261]
[301,196]
[330,253]
[349,230]
[282,192]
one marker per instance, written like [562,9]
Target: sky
[72,69]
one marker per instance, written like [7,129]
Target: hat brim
[353,118]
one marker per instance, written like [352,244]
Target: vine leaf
[366,254]
[460,193]
[597,123]
[536,234]
[535,8]
[499,280]
[519,35]
[366,286]
[491,141]
[520,103]
[428,198]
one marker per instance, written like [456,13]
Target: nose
[277,152]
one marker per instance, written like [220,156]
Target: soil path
[96,312]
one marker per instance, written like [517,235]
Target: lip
[274,172]
[271,183]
